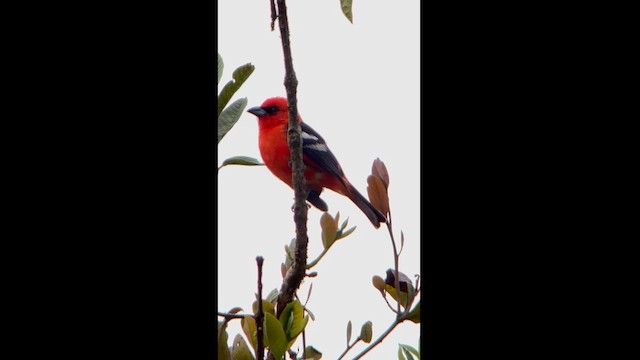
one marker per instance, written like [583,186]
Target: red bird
[322,169]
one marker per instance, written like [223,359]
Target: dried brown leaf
[378,194]
[379,170]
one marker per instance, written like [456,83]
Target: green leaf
[407,353]
[408,349]
[273,296]
[230,116]
[346,233]
[311,353]
[293,320]
[344,223]
[285,317]
[240,75]
[267,307]
[400,355]
[414,315]
[348,332]
[366,332]
[329,230]
[223,350]
[241,160]
[407,291]
[378,283]
[220,67]
[411,296]
[240,350]
[274,336]
[290,253]
[250,330]
[310,313]
[345,5]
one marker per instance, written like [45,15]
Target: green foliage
[220,68]
[330,234]
[274,336]
[281,333]
[293,321]
[406,352]
[414,315]
[272,297]
[228,116]
[306,309]
[240,350]
[407,290]
[346,5]
[379,284]
[250,330]
[240,75]
[240,160]
[223,350]
[267,307]
[290,251]
[330,231]
[366,332]
[310,353]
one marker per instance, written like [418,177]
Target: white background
[359,88]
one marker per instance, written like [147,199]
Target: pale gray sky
[359,88]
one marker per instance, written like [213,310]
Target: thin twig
[233,316]
[296,273]
[390,307]
[349,347]
[395,259]
[260,313]
[304,344]
[315,262]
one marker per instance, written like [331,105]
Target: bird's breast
[274,151]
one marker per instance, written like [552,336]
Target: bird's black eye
[272,110]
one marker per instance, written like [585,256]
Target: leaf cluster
[229,115]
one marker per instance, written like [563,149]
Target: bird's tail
[374,215]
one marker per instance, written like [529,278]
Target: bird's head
[272,111]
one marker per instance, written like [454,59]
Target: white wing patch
[308,136]
[318,147]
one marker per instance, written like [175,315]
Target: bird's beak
[257,111]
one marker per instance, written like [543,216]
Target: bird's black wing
[315,148]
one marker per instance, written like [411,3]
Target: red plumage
[322,169]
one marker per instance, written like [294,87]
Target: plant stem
[260,314]
[349,347]
[379,339]
[315,262]
[233,316]
[395,259]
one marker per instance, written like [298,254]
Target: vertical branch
[260,313]
[294,276]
